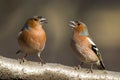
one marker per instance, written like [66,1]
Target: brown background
[101,16]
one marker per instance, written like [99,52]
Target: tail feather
[101,65]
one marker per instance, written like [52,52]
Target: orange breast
[81,39]
[34,39]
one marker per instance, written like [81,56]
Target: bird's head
[79,27]
[36,21]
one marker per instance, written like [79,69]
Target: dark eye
[78,24]
[35,19]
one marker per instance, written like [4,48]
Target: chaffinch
[32,37]
[85,49]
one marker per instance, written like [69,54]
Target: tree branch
[12,69]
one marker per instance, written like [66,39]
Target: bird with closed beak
[32,37]
[85,49]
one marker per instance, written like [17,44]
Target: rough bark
[12,69]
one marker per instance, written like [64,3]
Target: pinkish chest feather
[81,40]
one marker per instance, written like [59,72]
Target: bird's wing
[25,27]
[95,49]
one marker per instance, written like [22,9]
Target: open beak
[43,20]
[72,24]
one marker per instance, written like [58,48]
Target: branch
[12,69]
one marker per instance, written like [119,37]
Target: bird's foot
[89,71]
[77,67]
[42,62]
[22,60]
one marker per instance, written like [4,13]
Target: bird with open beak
[85,49]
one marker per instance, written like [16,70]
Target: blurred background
[101,16]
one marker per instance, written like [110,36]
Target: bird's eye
[78,24]
[35,19]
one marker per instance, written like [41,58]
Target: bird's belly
[32,43]
[86,55]
[28,50]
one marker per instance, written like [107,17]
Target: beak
[43,20]
[72,24]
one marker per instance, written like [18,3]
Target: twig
[12,69]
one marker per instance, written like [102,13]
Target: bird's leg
[18,51]
[79,66]
[23,59]
[41,60]
[91,69]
